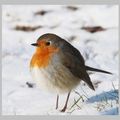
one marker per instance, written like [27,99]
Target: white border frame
[53,2]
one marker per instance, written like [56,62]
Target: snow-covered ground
[100,50]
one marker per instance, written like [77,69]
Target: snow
[100,50]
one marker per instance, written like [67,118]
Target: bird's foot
[64,109]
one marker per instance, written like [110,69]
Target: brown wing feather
[73,60]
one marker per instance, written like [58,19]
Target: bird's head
[46,46]
[47,43]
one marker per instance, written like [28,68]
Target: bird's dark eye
[48,43]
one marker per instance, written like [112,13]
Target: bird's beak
[34,44]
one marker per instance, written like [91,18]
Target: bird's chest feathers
[42,58]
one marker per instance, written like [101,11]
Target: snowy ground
[22,25]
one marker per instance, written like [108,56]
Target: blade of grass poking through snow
[75,102]
[113,86]
[77,105]
[80,96]
[77,93]
[85,93]
[116,96]
[86,97]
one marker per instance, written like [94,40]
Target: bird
[58,67]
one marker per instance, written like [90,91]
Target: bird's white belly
[57,82]
[41,78]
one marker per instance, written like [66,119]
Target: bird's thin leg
[57,101]
[64,108]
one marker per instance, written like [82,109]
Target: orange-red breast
[59,67]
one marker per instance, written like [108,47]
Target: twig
[75,103]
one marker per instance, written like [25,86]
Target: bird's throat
[42,57]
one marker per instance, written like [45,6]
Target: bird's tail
[97,70]
[87,80]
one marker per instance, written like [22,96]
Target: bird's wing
[68,49]
[73,60]
[73,63]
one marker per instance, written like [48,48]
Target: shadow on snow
[110,95]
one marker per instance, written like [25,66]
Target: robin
[59,67]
